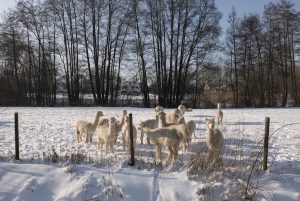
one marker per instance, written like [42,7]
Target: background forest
[148,52]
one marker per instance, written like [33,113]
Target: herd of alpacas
[168,130]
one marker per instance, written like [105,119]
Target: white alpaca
[107,134]
[150,123]
[215,141]
[172,117]
[181,128]
[119,123]
[169,137]
[88,128]
[191,126]
[126,134]
[219,115]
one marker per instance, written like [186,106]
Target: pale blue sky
[242,7]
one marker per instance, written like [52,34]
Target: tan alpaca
[181,128]
[150,123]
[191,126]
[126,134]
[172,117]
[215,141]
[219,115]
[88,128]
[169,137]
[107,134]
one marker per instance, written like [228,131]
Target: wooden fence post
[17,156]
[266,142]
[131,141]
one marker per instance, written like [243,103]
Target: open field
[106,176]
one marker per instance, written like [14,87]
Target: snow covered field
[102,176]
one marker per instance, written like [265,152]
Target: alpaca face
[210,123]
[112,120]
[141,125]
[99,113]
[124,113]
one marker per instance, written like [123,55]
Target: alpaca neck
[96,121]
[162,122]
[210,135]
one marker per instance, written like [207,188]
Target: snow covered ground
[101,176]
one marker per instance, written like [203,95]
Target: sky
[243,7]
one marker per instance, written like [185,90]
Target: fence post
[266,142]
[131,141]
[17,156]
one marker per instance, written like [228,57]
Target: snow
[107,176]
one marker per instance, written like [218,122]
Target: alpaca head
[162,116]
[124,112]
[177,113]
[112,120]
[159,109]
[99,114]
[141,125]
[210,123]
[219,106]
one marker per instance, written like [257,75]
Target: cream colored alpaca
[126,134]
[119,124]
[107,134]
[88,128]
[150,123]
[215,141]
[169,137]
[191,126]
[219,115]
[172,117]
[181,128]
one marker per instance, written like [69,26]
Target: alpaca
[181,128]
[150,123]
[219,115]
[215,141]
[191,126]
[119,123]
[172,117]
[126,134]
[87,127]
[169,137]
[107,133]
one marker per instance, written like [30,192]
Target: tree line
[262,54]
[167,47]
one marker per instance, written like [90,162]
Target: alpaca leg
[142,137]
[87,137]
[158,153]
[91,137]
[170,153]
[175,151]
[78,136]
